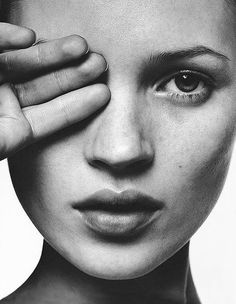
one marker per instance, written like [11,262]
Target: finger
[15,130]
[62,81]
[63,111]
[15,37]
[43,57]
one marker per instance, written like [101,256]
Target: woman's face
[167,131]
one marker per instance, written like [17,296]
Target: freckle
[180,166]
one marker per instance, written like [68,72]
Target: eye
[186,87]
[187,82]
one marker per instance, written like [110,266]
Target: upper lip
[128,200]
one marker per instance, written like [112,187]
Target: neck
[57,281]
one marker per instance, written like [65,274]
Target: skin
[176,151]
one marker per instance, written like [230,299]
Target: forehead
[151,24]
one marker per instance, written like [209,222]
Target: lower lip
[117,224]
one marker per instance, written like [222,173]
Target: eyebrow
[172,56]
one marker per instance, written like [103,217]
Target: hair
[4,10]
[231,4]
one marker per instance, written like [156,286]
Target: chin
[116,261]
[115,271]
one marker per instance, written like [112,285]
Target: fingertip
[74,46]
[26,37]
[101,61]
[103,92]
[15,37]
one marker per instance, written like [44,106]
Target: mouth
[118,214]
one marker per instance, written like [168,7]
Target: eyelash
[186,98]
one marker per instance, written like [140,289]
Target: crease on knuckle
[66,113]
[6,63]
[59,83]
[39,54]
[20,92]
[32,129]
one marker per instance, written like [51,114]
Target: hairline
[5,7]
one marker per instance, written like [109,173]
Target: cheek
[198,164]
[208,159]
[203,179]
[200,144]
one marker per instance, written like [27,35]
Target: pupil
[186,83]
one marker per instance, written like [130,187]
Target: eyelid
[188,98]
[208,79]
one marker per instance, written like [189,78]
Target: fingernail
[87,51]
[107,67]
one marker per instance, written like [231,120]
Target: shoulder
[14,298]
[8,300]
[11,299]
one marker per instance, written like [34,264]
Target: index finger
[43,57]
[15,37]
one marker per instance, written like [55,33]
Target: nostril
[127,165]
[97,163]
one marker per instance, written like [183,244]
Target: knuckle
[39,54]
[74,46]
[32,129]
[64,109]
[27,132]
[58,75]
[5,63]
[20,92]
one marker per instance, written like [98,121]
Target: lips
[118,214]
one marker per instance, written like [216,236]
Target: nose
[120,139]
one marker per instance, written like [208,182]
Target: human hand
[43,86]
